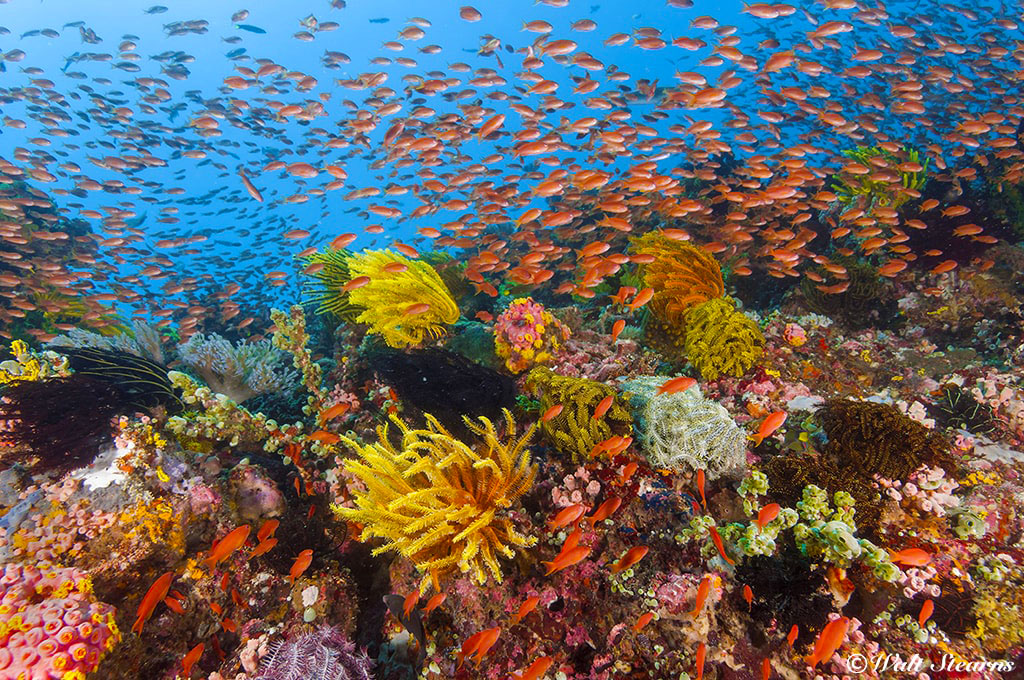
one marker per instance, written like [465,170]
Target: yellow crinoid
[440,502]
[402,300]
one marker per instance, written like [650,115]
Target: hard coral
[395,286]
[719,339]
[322,655]
[526,335]
[575,431]
[440,502]
[684,429]
[50,624]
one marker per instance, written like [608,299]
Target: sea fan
[403,300]
[322,655]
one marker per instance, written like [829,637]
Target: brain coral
[721,340]
[50,625]
[684,429]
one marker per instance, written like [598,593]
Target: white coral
[684,429]
[238,371]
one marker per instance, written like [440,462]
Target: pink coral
[527,335]
[50,625]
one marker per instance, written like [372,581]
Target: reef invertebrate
[574,430]
[325,654]
[438,501]
[330,273]
[682,275]
[240,371]
[899,182]
[683,429]
[403,300]
[957,408]
[526,335]
[720,340]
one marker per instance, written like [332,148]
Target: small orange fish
[604,511]
[700,488]
[216,609]
[333,412]
[767,514]
[793,633]
[567,559]
[766,669]
[536,669]
[632,556]
[674,385]
[324,437]
[405,249]
[829,640]
[469,647]
[643,621]
[528,605]
[357,282]
[486,317]
[223,548]
[551,413]
[190,659]
[702,595]
[768,426]
[944,266]
[911,557]
[418,308]
[342,241]
[748,596]
[718,544]
[267,530]
[253,191]
[572,540]
[487,640]
[153,596]
[617,328]
[410,602]
[641,299]
[174,605]
[302,562]
[567,516]
[927,609]
[603,406]
[229,625]
[702,651]
[263,548]
[628,471]
[395,268]
[434,602]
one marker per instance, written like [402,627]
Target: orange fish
[766,669]
[617,328]
[603,406]
[700,488]
[302,563]
[324,437]
[490,126]
[767,514]
[229,625]
[487,640]
[174,605]
[469,647]
[536,670]
[768,426]
[674,385]
[357,282]
[702,595]
[267,530]
[944,266]
[567,516]
[190,659]
[153,596]
[263,548]
[632,556]
[911,557]
[628,471]
[434,602]
[405,249]
[342,241]
[333,412]
[748,596]
[641,299]
[793,633]
[926,612]
[410,602]
[829,640]
[551,413]
[718,544]
[528,605]
[604,511]
[643,621]
[702,651]
[486,317]
[223,548]
[418,308]
[567,559]
[253,191]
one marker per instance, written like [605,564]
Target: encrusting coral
[683,429]
[527,335]
[574,430]
[720,340]
[438,501]
[403,300]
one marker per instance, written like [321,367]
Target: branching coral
[575,431]
[240,371]
[526,335]
[438,501]
[684,429]
[721,340]
[403,300]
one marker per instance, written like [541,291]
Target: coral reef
[527,335]
[141,339]
[682,275]
[330,272]
[240,371]
[440,502]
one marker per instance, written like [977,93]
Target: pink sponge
[51,627]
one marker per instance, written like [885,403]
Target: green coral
[721,340]
[575,431]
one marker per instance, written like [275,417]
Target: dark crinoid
[956,408]
[444,384]
[786,590]
[322,655]
[867,301]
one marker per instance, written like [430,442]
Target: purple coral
[323,655]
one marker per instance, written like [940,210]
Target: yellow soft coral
[392,299]
[682,276]
[719,339]
[438,501]
[574,430]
